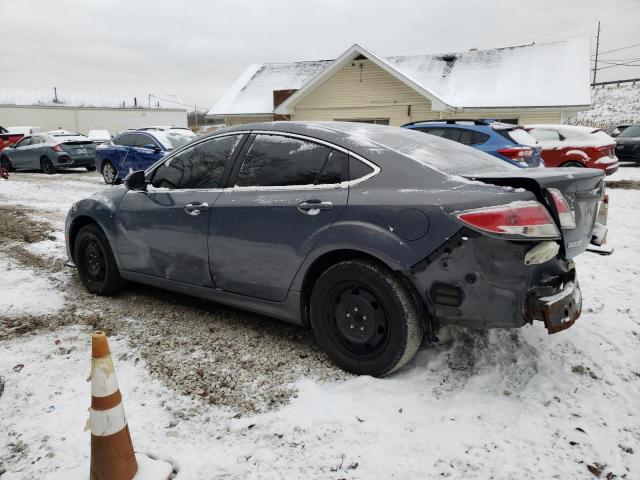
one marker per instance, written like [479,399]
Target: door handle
[313,207]
[195,208]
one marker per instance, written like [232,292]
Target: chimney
[280,96]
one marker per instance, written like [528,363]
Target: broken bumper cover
[558,311]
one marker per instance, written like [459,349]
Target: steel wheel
[109,173]
[94,261]
[365,318]
[360,325]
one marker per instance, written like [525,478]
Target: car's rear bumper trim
[558,311]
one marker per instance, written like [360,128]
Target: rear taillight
[519,154]
[565,214]
[57,148]
[527,219]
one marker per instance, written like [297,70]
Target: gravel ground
[223,356]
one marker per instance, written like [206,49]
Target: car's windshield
[632,131]
[173,139]
[443,155]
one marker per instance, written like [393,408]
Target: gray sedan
[49,152]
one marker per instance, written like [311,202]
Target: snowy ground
[500,404]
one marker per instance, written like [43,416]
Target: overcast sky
[197,48]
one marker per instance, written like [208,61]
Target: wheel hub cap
[359,317]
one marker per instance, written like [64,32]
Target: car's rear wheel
[365,318]
[109,173]
[95,262]
[573,164]
[46,166]
[91,168]
[6,163]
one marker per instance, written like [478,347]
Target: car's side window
[436,132]
[127,140]
[358,169]
[201,166]
[479,138]
[333,167]
[142,141]
[24,142]
[275,160]
[453,134]
[544,134]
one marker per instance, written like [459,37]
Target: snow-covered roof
[252,92]
[536,75]
[67,98]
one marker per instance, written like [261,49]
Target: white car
[99,136]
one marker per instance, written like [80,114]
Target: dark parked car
[505,141]
[628,144]
[136,150]
[372,235]
[49,152]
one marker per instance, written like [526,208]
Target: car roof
[568,129]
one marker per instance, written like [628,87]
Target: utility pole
[149,101]
[595,66]
[195,109]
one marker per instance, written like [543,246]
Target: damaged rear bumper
[558,311]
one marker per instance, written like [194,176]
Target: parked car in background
[507,142]
[49,153]
[7,138]
[628,144]
[618,130]
[185,130]
[136,150]
[99,136]
[576,146]
[372,235]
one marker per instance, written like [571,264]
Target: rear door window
[201,166]
[333,167]
[274,160]
[358,169]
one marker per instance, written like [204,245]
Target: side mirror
[153,147]
[136,181]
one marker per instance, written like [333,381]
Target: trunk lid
[583,188]
[78,147]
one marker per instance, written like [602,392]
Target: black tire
[365,318]
[46,166]
[91,168]
[573,164]
[6,163]
[95,262]
[109,173]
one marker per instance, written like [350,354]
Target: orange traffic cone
[112,456]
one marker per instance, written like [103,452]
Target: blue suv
[507,142]
[134,150]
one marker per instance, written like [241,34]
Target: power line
[623,48]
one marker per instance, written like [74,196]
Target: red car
[7,138]
[575,146]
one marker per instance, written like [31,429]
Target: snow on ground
[23,292]
[499,404]
[627,171]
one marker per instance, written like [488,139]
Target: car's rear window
[443,155]
[632,131]
[172,139]
[520,136]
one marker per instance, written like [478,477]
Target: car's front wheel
[109,173]
[95,262]
[46,166]
[365,318]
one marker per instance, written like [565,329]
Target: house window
[376,121]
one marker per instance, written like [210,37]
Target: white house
[536,83]
[84,111]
